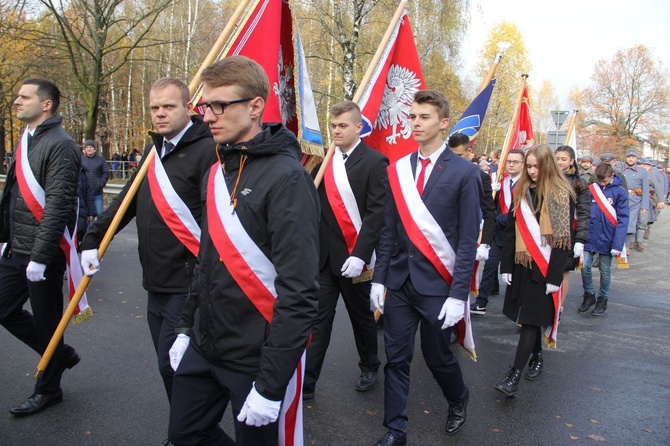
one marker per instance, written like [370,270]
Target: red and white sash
[610,213]
[255,274]
[35,198]
[427,235]
[540,251]
[476,279]
[505,195]
[343,202]
[175,213]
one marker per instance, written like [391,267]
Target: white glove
[178,349]
[615,253]
[377,297]
[495,186]
[89,261]
[578,249]
[452,311]
[507,278]
[35,271]
[258,410]
[483,252]
[352,267]
[552,288]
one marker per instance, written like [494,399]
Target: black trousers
[490,275]
[46,300]
[356,298]
[163,314]
[405,310]
[200,393]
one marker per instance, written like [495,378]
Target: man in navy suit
[425,259]
[352,209]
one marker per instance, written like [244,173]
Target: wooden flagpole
[571,128]
[218,45]
[502,47]
[130,195]
[366,79]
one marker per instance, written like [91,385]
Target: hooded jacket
[278,207]
[167,265]
[55,160]
[603,236]
[96,170]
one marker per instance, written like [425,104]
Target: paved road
[607,382]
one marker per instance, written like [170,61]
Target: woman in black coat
[533,261]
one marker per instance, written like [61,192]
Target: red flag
[522,136]
[387,98]
[267,34]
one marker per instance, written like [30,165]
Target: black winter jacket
[167,265]
[54,158]
[96,170]
[278,206]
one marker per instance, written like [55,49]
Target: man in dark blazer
[355,183]
[426,269]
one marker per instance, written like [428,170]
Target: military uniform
[637,183]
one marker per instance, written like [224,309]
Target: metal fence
[119,170]
[110,189]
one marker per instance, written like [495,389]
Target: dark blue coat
[451,195]
[603,236]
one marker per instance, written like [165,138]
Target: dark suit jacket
[452,196]
[366,169]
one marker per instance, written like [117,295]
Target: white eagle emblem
[401,85]
[285,91]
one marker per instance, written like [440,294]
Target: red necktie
[422,175]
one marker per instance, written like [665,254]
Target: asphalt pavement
[608,382]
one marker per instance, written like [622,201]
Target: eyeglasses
[218,107]
[513,162]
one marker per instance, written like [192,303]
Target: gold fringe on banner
[365,276]
[84,315]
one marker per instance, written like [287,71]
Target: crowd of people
[244,259]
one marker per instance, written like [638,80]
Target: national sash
[529,229]
[425,233]
[345,208]
[255,274]
[610,213]
[174,212]
[35,198]
[505,195]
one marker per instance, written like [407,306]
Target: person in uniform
[184,153]
[352,207]
[426,254]
[637,182]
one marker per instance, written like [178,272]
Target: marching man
[256,284]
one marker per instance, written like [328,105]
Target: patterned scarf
[554,225]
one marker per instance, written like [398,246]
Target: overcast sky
[566,38]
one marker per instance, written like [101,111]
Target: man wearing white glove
[434,195]
[605,238]
[39,202]
[185,149]
[352,202]
[253,301]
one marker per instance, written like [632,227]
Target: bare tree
[630,95]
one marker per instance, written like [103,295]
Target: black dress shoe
[366,381]
[456,417]
[390,440]
[534,366]
[510,384]
[37,403]
[71,361]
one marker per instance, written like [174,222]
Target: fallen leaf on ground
[573,438]
[596,438]
[569,424]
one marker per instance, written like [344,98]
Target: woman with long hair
[579,234]
[537,244]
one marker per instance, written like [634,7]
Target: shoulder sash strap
[174,212]
[603,203]
[35,198]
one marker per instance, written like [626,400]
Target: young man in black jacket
[32,265]
[255,289]
[167,258]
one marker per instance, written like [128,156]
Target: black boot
[534,366]
[510,384]
[587,303]
[601,307]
